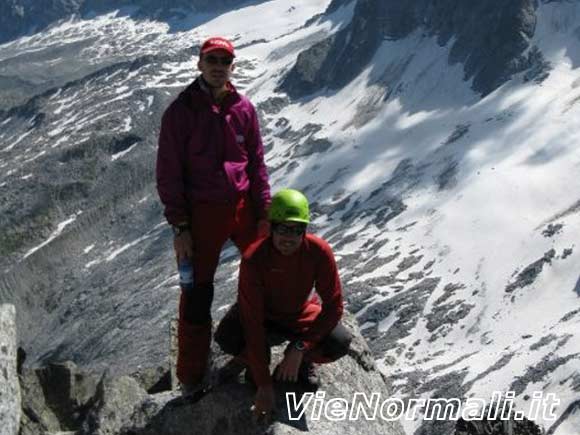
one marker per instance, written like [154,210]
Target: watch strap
[299,345]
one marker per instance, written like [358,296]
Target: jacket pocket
[237,175]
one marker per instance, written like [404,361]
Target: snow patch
[60,228]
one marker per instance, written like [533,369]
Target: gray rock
[55,398]
[61,398]
[570,315]
[10,411]
[552,229]
[167,413]
[497,426]
[540,371]
[490,39]
[113,404]
[406,308]
[446,315]
[154,379]
[527,276]
[335,5]
[459,131]
[336,60]
[37,416]
[311,146]
[544,341]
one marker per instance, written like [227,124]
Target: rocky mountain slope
[437,142]
[21,17]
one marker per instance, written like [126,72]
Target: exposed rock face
[113,405]
[61,398]
[490,38]
[497,427]
[527,276]
[225,408]
[55,398]
[9,388]
[20,16]
[336,60]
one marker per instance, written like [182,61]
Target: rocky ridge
[490,39]
[61,397]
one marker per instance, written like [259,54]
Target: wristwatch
[299,345]
[179,229]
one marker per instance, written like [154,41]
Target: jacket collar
[198,94]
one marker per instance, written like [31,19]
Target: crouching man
[277,275]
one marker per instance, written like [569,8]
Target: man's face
[287,236]
[216,67]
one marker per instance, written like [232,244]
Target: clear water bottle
[185,275]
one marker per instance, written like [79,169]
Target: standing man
[213,183]
[277,275]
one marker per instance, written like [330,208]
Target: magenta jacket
[210,153]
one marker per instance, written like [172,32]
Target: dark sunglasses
[214,60]
[287,230]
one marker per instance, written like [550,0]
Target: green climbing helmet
[289,205]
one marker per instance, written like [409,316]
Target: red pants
[212,224]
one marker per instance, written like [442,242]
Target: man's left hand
[287,370]
[263,228]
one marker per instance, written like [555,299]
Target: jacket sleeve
[257,171]
[329,289]
[251,303]
[170,169]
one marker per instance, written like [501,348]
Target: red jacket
[210,152]
[277,288]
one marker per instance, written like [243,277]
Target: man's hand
[263,228]
[287,370]
[183,245]
[263,403]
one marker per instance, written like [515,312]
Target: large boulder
[56,398]
[114,402]
[9,388]
[225,407]
[60,398]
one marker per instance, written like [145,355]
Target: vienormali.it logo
[363,406]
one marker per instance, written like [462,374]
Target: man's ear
[233,67]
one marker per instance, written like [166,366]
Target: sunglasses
[214,60]
[287,230]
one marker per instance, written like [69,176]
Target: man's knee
[229,333]
[337,344]
[197,310]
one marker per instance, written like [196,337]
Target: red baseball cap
[217,43]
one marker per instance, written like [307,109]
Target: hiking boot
[190,394]
[189,391]
[308,376]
